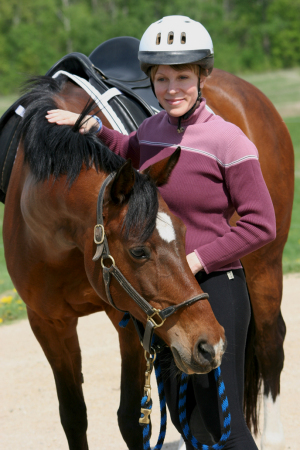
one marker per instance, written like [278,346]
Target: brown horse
[50,239]
[236,101]
[241,103]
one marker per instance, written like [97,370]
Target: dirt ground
[29,417]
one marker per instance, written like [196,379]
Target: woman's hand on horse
[194,263]
[62,117]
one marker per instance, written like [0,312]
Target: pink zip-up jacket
[218,172]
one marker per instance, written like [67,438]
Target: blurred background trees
[252,35]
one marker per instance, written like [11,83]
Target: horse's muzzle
[204,358]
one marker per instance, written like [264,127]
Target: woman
[218,173]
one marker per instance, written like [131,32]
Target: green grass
[11,306]
[283,88]
[5,281]
[291,254]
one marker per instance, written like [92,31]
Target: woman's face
[176,91]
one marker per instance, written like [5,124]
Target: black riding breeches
[230,303]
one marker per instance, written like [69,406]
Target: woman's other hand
[194,263]
[62,117]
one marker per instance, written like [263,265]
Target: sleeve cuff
[201,261]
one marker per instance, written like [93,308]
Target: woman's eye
[139,253]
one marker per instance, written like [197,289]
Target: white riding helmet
[176,40]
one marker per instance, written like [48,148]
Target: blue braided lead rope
[163,413]
[182,409]
[123,323]
[225,412]
[146,427]
[148,405]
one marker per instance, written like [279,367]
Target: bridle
[155,317]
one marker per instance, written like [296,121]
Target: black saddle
[122,64]
[112,64]
[122,67]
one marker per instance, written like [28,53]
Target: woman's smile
[174,101]
[176,90]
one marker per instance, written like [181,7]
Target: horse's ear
[122,183]
[160,172]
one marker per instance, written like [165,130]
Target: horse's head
[147,243]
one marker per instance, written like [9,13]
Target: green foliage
[255,35]
[285,34]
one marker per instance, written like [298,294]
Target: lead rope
[225,412]
[146,405]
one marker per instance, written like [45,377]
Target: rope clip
[146,408]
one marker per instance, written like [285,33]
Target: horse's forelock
[142,211]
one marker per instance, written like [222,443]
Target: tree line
[251,35]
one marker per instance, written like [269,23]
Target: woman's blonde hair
[179,67]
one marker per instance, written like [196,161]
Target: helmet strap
[185,116]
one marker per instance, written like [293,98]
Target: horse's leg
[59,341]
[264,279]
[132,382]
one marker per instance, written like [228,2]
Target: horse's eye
[140,252]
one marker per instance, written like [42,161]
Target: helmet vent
[183,38]
[158,37]
[171,37]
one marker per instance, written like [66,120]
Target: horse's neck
[59,216]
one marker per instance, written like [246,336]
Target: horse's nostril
[206,351]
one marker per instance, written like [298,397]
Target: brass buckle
[112,261]
[103,234]
[156,313]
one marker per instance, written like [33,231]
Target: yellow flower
[6,299]
[1,320]
[20,302]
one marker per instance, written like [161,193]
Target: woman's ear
[203,79]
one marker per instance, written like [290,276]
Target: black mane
[55,150]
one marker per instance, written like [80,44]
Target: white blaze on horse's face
[165,227]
